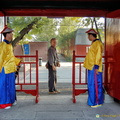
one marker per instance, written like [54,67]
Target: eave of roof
[60,8]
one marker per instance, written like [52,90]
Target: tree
[24,31]
[31,29]
[43,29]
[66,36]
[46,31]
[68,28]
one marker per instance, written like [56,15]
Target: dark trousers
[52,79]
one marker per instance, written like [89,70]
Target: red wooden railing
[79,76]
[25,77]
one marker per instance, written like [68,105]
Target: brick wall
[42,48]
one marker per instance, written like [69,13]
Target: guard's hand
[53,67]
[21,60]
[96,71]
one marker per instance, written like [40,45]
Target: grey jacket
[52,56]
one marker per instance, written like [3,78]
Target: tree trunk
[24,31]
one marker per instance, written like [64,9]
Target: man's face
[54,43]
[9,36]
[90,37]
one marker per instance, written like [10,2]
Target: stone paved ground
[59,106]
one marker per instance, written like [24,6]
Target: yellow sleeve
[17,61]
[2,55]
[98,55]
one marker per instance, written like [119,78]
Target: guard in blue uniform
[93,62]
[8,63]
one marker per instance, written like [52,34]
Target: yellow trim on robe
[94,56]
[7,58]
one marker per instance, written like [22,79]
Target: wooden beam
[114,14]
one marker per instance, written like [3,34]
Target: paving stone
[60,115]
[59,106]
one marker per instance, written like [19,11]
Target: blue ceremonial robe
[95,88]
[7,89]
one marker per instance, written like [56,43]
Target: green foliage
[67,32]
[66,36]
[47,28]
[42,31]
[69,58]
[46,31]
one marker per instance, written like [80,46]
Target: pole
[97,28]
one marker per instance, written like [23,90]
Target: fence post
[37,77]
[73,76]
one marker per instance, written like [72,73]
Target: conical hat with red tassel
[6,30]
[92,31]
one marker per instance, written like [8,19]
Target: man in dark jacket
[53,62]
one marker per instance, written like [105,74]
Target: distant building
[1,27]
[42,48]
[81,42]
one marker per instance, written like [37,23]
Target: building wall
[1,27]
[112,69]
[81,42]
[42,48]
[81,37]
[81,49]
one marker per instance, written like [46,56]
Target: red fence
[27,80]
[79,76]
